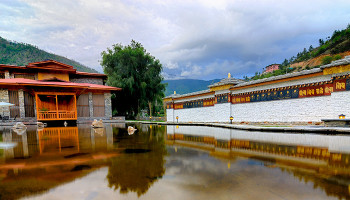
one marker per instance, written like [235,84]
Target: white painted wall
[170,115]
[289,110]
[216,113]
[294,110]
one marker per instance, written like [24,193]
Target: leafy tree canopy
[137,72]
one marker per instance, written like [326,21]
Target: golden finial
[229,75]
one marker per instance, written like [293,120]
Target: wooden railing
[57,115]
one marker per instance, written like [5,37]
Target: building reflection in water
[46,158]
[142,161]
[323,158]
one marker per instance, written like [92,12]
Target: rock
[41,125]
[99,131]
[19,128]
[19,125]
[131,130]
[97,124]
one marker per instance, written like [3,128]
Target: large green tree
[137,72]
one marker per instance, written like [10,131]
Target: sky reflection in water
[159,162]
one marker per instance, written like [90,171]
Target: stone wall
[108,105]
[98,81]
[21,104]
[170,115]
[91,105]
[291,110]
[216,113]
[4,97]
[312,109]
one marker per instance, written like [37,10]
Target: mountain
[334,47]
[183,86]
[14,53]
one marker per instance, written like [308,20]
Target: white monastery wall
[340,104]
[170,115]
[216,113]
[288,110]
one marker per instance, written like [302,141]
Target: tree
[311,48]
[321,42]
[137,72]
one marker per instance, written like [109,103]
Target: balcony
[57,115]
[56,106]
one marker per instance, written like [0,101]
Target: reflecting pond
[171,162]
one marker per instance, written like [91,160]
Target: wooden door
[99,105]
[13,98]
[29,105]
[83,106]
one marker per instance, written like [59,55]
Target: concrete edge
[299,129]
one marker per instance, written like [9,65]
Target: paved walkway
[270,128]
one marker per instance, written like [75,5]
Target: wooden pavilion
[51,90]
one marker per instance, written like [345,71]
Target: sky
[197,39]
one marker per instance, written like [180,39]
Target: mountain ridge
[15,53]
[184,86]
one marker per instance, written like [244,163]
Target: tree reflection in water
[142,162]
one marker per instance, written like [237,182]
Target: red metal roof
[90,74]
[23,81]
[48,62]
[45,65]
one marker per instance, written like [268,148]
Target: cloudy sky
[201,39]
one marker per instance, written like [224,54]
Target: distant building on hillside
[271,68]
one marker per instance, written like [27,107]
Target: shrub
[337,57]
[326,60]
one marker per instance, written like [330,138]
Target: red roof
[52,65]
[90,74]
[23,81]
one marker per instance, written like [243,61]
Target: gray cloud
[192,39]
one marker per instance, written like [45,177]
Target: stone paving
[270,128]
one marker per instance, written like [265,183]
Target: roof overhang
[51,65]
[57,84]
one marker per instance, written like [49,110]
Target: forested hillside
[183,86]
[332,48]
[14,53]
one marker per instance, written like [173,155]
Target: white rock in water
[131,130]
[40,124]
[19,125]
[97,124]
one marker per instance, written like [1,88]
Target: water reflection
[320,159]
[46,158]
[172,162]
[142,161]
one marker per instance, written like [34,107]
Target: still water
[171,162]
